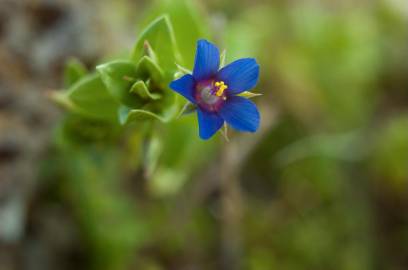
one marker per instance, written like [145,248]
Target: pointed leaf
[73,72]
[148,69]
[148,51]
[127,115]
[159,34]
[164,110]
[115,75]
[139,88]
[190,24]
[90,97]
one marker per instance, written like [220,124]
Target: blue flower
[215,91]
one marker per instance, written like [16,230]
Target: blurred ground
[36,38]
[323,185]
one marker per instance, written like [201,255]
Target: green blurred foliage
[390,155]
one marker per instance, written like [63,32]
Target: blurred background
[322,185]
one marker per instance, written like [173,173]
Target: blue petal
[208,123]
[241,75]
[184,86]
[207,60]
[240,113]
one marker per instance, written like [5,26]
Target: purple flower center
[210,95]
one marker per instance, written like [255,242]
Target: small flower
[215,91]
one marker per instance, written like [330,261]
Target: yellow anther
[220,88]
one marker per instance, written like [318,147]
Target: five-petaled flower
[215,91]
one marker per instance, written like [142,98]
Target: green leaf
[77,131]
[163,109]
[117,77]
[128,115]
[160,36]
[139,88]
[73,72]
[190,23]
[148,112]
[148,51]
[147,68]
[90,97]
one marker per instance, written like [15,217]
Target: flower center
[210,95]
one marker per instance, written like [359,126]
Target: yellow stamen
[221,87]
